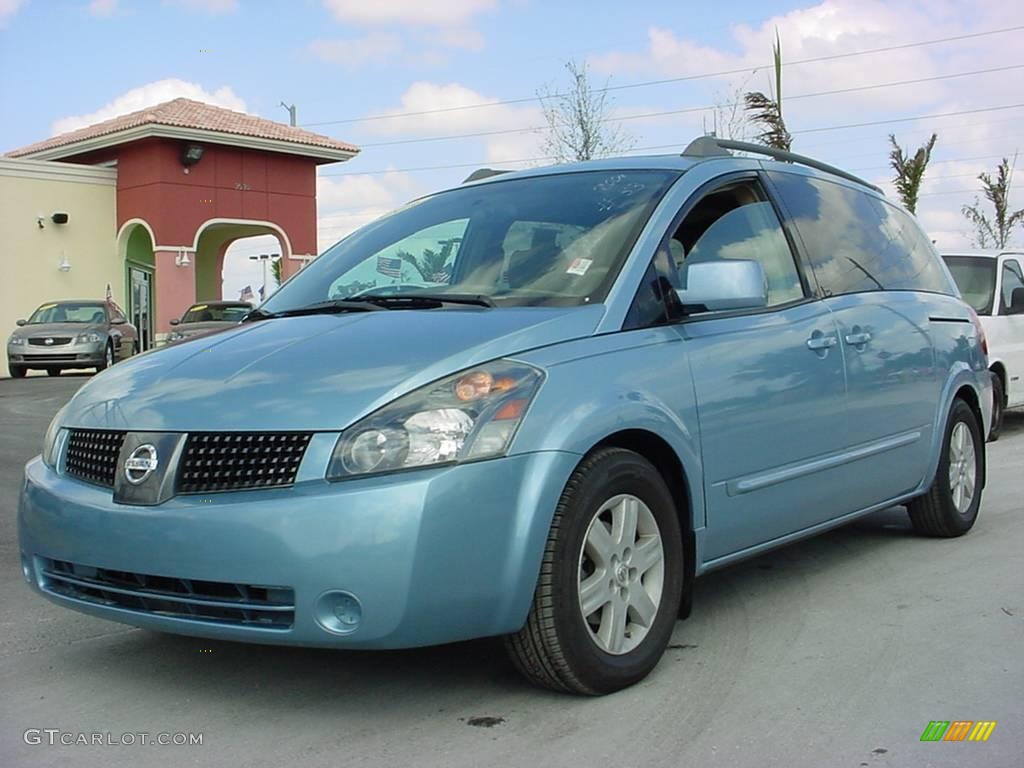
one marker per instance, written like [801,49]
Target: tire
[942,512]
[17,371]
[998,406]
[53,371]
[108,358]
[560,648]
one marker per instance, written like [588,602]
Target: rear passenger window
[858,242]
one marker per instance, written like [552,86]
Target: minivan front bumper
[409,559]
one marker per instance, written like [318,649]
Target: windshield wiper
[319,308]
[472,299]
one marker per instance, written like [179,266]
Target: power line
[666,81]
[676,145]
[687,110]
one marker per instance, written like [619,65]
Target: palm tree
[910,170]
[767,111]
[430,265]
[275,270]
[995,232]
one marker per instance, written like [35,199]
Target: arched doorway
[213,241]
[135,242]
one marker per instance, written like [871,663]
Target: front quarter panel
[596,387]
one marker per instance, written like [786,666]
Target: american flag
[389,265]
[246,294]
[442,276]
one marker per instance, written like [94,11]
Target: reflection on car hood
[320,372]
[58,329]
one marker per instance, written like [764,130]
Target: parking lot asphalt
[837,651]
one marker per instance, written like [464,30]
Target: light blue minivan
[536,406]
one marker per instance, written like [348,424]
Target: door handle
[820,341]
[858,339]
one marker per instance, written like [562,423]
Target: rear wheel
[18,371]
[998,406]
[610,581]
[950,506]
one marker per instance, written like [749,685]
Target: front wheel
[108,358]
[18,371]
[950,506]
[610,581]
[53,371]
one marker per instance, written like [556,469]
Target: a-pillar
[175,286]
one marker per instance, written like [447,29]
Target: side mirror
[20,323]
[723,284]
[175,321]
[118,320]
[1016,302]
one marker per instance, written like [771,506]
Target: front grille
[92,455]
[215,601]
[54,341]
[229,461]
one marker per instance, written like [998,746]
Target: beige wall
[30,255]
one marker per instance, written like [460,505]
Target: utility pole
[291,112]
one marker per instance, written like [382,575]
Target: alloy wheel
[621,574]
[963,467]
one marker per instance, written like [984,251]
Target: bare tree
[766,111]
[729,119]
[578,124]
[995,232]
[910,170]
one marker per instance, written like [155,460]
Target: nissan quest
[536,406]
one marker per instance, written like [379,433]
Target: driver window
[738,222]
[1012,280]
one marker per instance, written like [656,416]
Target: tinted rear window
[858,242]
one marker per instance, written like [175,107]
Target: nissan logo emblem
[140,464]
[48,341]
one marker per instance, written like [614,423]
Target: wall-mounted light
[182,259]
[59,217]
[191,154]
[65,265]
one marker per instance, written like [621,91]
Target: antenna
[291,113]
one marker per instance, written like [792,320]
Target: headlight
[88,338]
[470,415]
[175,336]
[50,440]
[16,340]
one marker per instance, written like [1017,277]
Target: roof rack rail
[711,146]
[483,173]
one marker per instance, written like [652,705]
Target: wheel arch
[660,453]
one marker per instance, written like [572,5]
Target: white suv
[993,283]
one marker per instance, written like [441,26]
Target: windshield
[976,279]
[205,313]
[550,240]
[69,312]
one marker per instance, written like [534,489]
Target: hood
[319,373]
[58,329]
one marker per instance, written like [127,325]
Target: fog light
[26,569]
[338,612]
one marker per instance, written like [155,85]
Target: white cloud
[345,203]
[147,96]
[408,12]
[430,97]
[102,7]
[206,6]
[7,10]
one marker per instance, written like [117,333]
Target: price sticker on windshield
[579,266]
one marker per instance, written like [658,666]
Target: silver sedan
[61,335]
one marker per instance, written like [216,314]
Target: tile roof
[186,113]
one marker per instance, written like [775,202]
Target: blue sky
[65,64]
